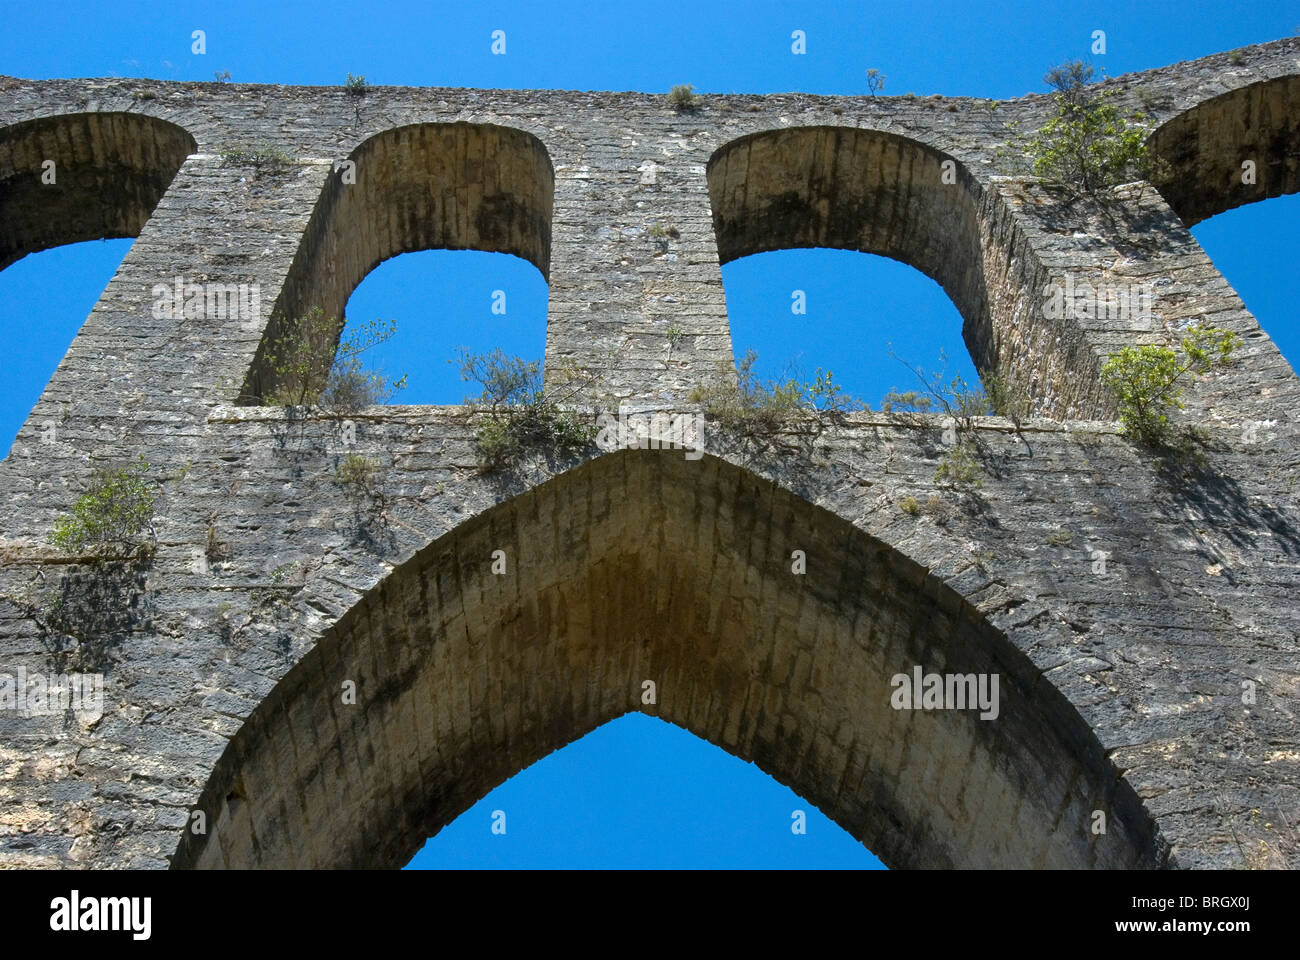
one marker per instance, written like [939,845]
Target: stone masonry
[1142,617]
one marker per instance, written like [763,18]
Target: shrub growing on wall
[1147,379]
[1089,143]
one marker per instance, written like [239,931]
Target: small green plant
[1004,400]
[215,549]
[356,86]
[1088,144]
[297,359]
[279,588]
[308,365]
[357,472]
[938,510]
[958,467]
[265,158]
[361,480]
[1147,379]
[909,506]
[1060,538]
[661,234]
[675,335]
[752,407]
[110,516]
[954,397]
[1235,57]
[875,81]
[517,413]
[350,386]
[683,98]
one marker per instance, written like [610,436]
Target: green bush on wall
[1146,379]
[1089,143]
[110,515]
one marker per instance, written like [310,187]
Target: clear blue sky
[636,792]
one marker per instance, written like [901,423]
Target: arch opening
[44,299]
[1237,148]
[83,176]
[429,186]
[440,301]
[65,181]
[865,318]
[857,189]
[642,566]
[1216,162]
[641,793]
[1256,247]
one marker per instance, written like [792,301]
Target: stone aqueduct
[1122,690]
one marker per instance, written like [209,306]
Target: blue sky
[637,792]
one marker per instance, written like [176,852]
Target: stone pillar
[635,282]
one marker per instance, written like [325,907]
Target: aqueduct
[1157,688]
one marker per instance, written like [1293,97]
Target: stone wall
[272,583]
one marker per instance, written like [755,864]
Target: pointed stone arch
[639,566]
